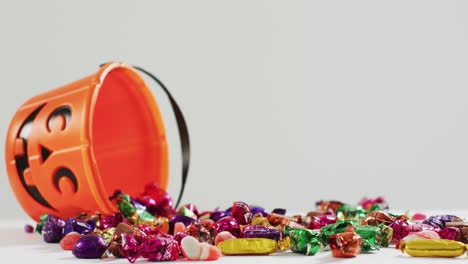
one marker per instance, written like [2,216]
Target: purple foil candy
[72,225]
[261,232]
[440,220]
[451,233]
[241,212]
[160,248]
[186,220]
[52,230]
[280,211]
[229,224]
[131,247]
[215,216]
[89,246]
[257,209]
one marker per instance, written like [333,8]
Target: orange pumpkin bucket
[69,149]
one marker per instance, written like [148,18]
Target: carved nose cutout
[45,153]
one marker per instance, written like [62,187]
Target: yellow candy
[433,248]
[285,243]
[248,246]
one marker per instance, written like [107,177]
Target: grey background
[287,102]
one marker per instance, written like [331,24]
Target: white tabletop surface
[17,245]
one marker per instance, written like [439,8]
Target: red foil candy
[229,224]
[160,247]
[345,245]
[317,222]
[241,212]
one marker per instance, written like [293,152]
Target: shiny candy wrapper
[401,229]
[317,222]
[328,205]
[433,248]
[304,241]
[338,227]
[440,220]
[216,215]
[261,232]
[108,221]
[52,230]
[346,211]
[387,235]
[371,237]
[89,246]
[259,220]
[160,247]
[39,225]
[345,245]
[229,224]
[72,225]
[241,212]
[284,243]
[258,210]
[378,217]
[203,232]
[463,227]
[248,246]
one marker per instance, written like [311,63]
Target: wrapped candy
[451,233]
[338,227]
[72,225]
[39,225]
[216,215]
[52,230]
[258,210]
[261,232]
[241,212]
[229,224]
[401,229]
[160,247]
[371,237]
[203,232]
[371,204]
[425,234]
[328,205]
[304,241]
[346,244]
[463,227]
[387,235]
[346,211]
[433,248]
[248,246]
[440,220]
[317,222]
[108,221]
[378,217]
[89,246]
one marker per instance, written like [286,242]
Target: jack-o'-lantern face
[70,148]
[57,123]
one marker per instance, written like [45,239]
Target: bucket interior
[128,135]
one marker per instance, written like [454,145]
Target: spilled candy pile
[149,227]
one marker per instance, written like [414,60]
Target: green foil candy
[304,241]
[338,227]
[39,225]
[125,206]
[347,211]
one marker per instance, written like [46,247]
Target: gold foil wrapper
[285,243]
[433,248]
[248,246]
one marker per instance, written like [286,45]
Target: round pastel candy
[69,240]
[190,248]
[89,246]
[209,252]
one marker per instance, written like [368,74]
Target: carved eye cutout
[65,180]
[59,120]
